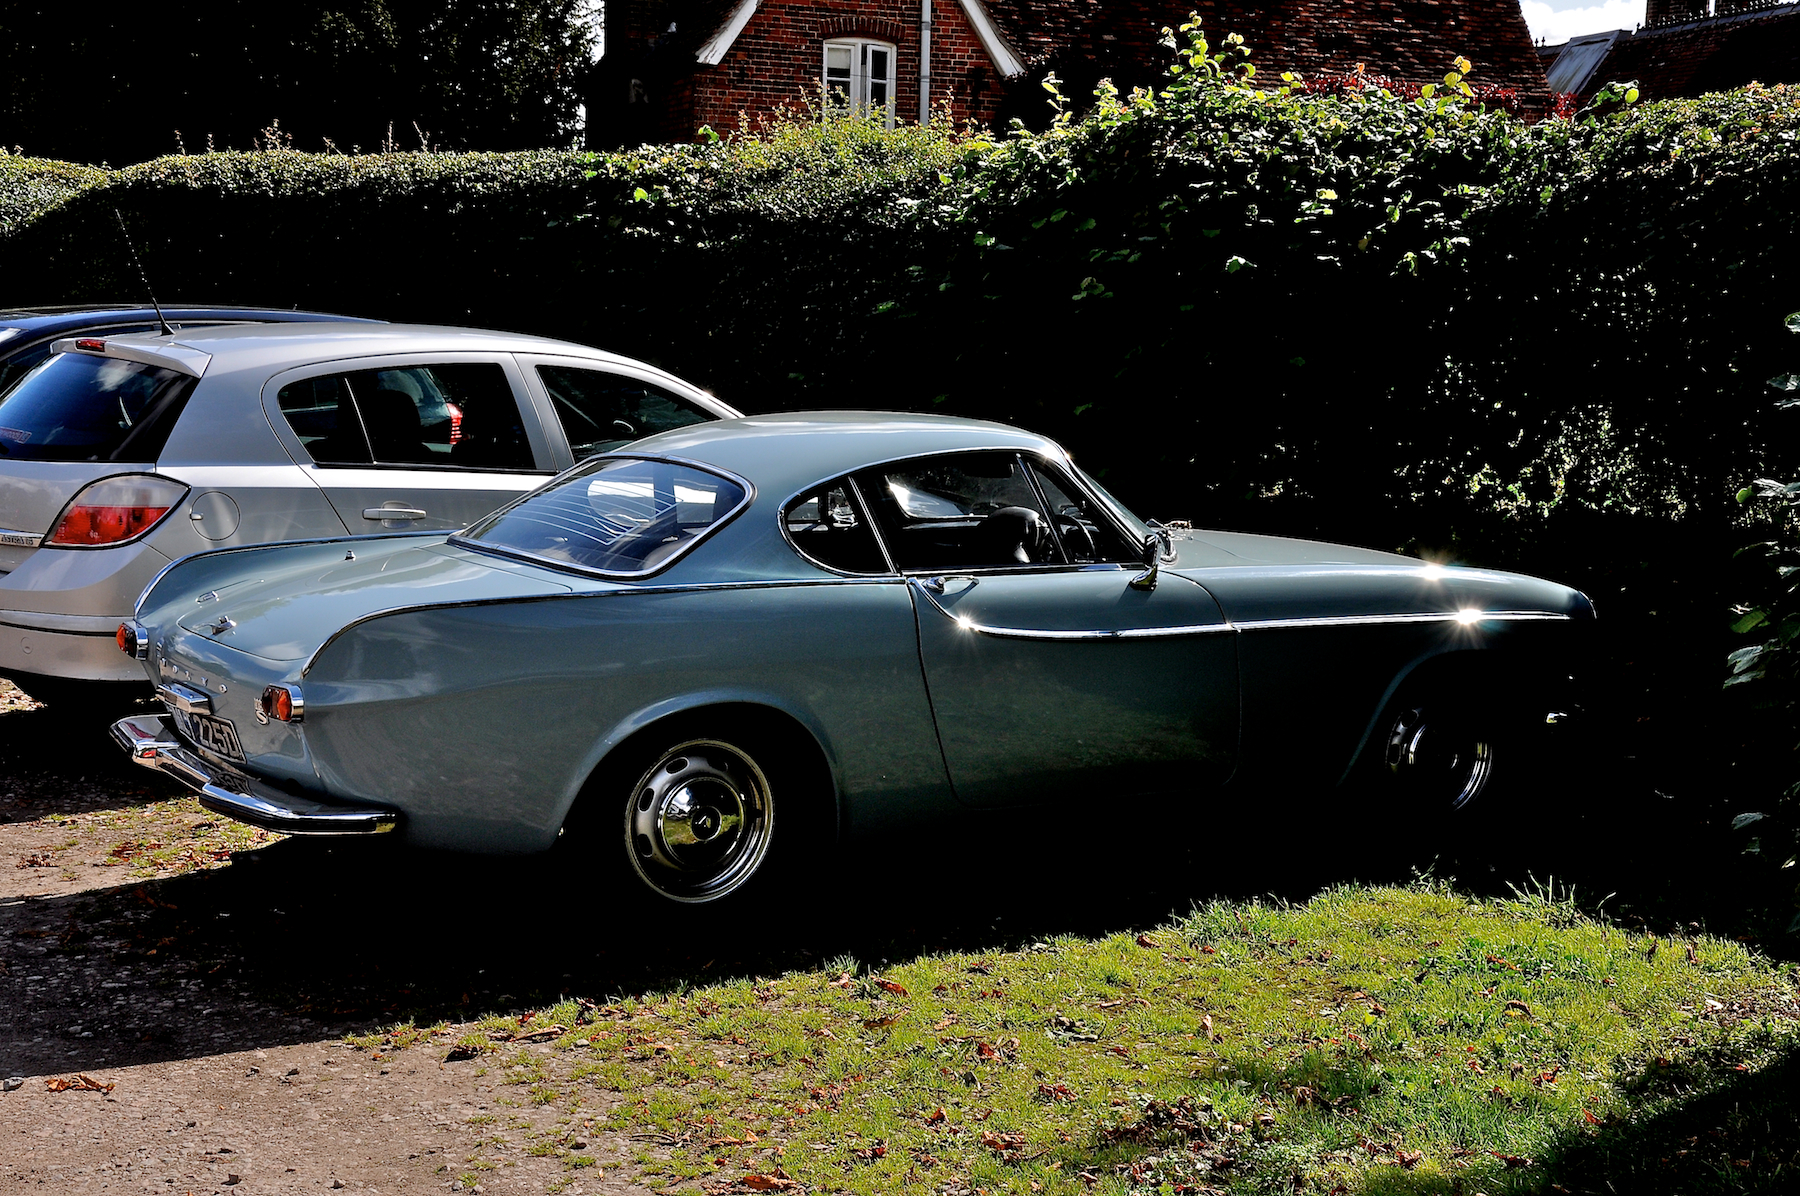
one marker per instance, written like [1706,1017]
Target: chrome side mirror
[1152,551]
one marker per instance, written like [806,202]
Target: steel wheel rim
[698,822]
[1449,764]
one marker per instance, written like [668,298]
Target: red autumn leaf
[899,990]
[769,1183]
[1591,1119]
[1116,1049]
[935,1116]
[1208,951]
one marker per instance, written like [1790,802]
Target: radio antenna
[142,277]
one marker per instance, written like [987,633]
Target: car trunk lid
[261,614]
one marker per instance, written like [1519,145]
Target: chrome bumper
[152,742]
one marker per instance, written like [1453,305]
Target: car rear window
[629,515]
[82,407]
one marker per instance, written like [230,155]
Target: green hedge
[29,187]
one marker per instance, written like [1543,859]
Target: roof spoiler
[179,358]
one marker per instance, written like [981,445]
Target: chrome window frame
[518,554]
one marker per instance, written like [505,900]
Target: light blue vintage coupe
[714,655]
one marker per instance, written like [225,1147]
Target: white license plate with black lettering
[216,735]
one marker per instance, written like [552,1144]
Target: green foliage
[467,74]
[31,186]
[1769,667]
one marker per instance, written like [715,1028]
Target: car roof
[782,454]
[277,347]
[53,319]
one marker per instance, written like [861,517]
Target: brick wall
[778,60]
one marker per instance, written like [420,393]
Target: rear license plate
[216,735]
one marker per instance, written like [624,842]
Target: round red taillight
[127,639]
[281,703]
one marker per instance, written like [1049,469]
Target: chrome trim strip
[1485,616]
[179,697]
[1021,633]
[152,742]
[12,539]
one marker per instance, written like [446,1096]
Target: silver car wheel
[698,823]
[1445,761]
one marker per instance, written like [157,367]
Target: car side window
[461,415]
[829,526]
[1086,532]
[601,411]
[968,511]
[320,412]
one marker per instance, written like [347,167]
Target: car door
[1051,675]
[431,443]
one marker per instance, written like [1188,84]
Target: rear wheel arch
[778,745]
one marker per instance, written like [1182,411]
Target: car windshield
[613,514]
[80,407]
[1138,526]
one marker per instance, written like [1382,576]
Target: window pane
[972,511]
[616,515]
[79,407]
[1086,533]
[837,62]
[827,526]
[462,415]
[601,411]
[878,64]
[321,414]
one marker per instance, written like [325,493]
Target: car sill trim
[151,741]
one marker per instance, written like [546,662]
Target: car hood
[283,602]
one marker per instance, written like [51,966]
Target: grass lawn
[1371,1040]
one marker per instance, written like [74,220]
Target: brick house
[1685,48]
[674,65]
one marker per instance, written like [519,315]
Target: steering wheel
[1078,538]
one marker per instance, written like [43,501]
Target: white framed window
[859,74]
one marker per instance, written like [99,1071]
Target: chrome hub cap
[1447,763]
[698,823]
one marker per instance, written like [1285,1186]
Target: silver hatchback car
[121,454]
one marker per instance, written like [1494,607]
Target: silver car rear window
[82,407]
[615,515]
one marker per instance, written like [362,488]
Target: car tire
[709,811]
[1439,749]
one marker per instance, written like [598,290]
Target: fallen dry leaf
[880,1023]
[1207,1030]
[1517,1006]
[81,1083]
[1144,940]
[769,1183]
[1408,1158]
[899,990]
[935,1116]
[842,981]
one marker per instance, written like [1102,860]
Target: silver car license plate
[216,735]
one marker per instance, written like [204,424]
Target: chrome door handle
[937,584]
[380,513]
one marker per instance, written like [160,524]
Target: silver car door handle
[379,513]
[937,584]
